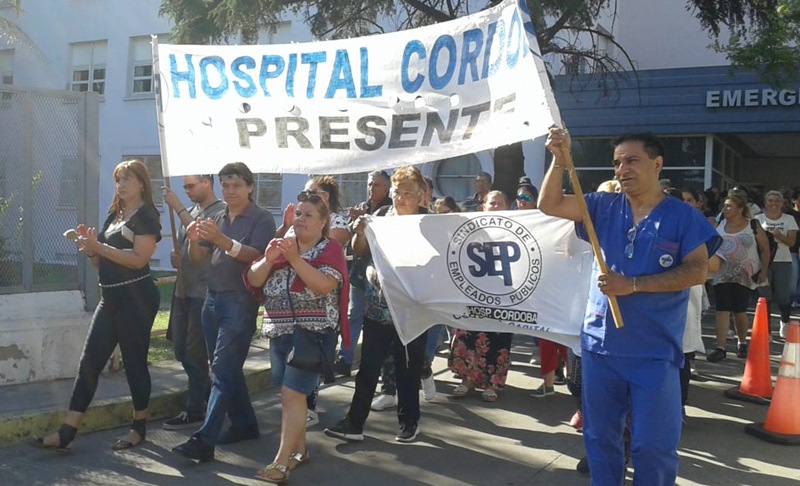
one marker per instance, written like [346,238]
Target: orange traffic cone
[756,385]
[783,417]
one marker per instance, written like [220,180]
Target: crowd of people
[316,280]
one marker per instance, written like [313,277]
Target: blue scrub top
[653,321]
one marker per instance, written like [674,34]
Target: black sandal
[139,427]
[66,434]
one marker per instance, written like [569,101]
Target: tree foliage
[565,27]
[764,34]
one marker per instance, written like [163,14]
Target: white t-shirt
[785,223]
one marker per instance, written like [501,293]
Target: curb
[110,413]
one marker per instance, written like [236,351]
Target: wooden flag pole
[164,161]
[587,223]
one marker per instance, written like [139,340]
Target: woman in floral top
[305,285]
[481,359]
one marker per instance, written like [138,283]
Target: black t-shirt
[796,215]
[145,221]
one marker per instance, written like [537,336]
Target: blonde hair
[736,198]
[495,193]
[409,174]
[610,185]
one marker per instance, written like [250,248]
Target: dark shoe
[716,355]
[741,351]
[184,421]
[139,430]
[196,450]
[340,367]
[236,434]
[583,465]
[407,432]
[558,378]
[66,434]
[345,430]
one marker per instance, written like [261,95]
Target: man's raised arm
[552,201]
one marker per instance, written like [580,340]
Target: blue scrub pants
[650,389]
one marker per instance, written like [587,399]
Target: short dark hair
[239,169]
[695,194]
[652,144]
[484,175]
[525,183]
[206,177]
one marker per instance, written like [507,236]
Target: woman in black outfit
[129,302]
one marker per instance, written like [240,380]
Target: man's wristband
[181,211]
[236,247]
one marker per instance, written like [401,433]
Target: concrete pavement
[518,440]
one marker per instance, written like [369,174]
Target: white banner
[355,105]
[508,271]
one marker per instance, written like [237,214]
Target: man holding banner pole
[656,248]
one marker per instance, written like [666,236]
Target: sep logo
[494,260]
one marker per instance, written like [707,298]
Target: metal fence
[49,158]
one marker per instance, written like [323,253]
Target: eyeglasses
[631,238]
[524,197]
[189,187]
[309,196]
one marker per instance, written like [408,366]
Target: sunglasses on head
[524,197]
[309,196]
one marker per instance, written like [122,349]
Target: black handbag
[311,351]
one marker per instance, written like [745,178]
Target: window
[269,189]
[140,62]
[68,182]
[88,71]
[153,163]
[456,176]
[352,188]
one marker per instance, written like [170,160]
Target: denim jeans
[379,341]
[189,345]
[229,321]
[283,375]
[355,312]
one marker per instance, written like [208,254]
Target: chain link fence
[48,182]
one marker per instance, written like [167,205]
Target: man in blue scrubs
[656,247]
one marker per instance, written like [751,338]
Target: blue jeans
[650,390]
[434,334]
[355,312]
[229,321]
[283,375]
[189,345]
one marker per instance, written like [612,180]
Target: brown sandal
[274,473]
[298,459]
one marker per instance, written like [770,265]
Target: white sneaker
[383,402]
[784,325]
[312,418]
[428,388]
